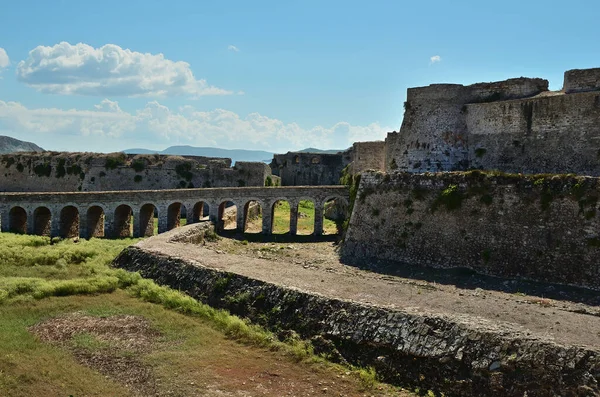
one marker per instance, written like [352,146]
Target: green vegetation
[479,152]
[8,161]
[36,273]
[115,160]
[137,178]
[138,165]
[306,217]
[44,169]
[61,171]
[184,170]
[451,198]
[270,182]
[20,167]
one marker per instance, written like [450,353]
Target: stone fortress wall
[544,228]
[68,172]
[522,217]
[303,169]
[515,125]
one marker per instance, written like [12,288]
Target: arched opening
[147,223]
[174,216]
[123,221]
[17,220]
[199,212]
[334,215]
[69,222]
[306,217]
[42,221]
[252,217]
[95,221]
[227,217]
[280,217]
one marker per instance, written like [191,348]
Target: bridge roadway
[125,213]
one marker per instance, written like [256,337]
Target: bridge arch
[333,208]
[197,211]
[306,209]
[174,215]
[146,216]
[95,216]
[226,215]
[69,221]
[282,204]
[17,220]
[122,223]
[42,221]
[252,208]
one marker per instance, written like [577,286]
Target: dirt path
[315,267]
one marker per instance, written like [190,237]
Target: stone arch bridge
[124,213]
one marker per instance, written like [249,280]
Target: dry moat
[448,331]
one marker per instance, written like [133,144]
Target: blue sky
[272,75]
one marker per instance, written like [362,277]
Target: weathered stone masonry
[110,213]
[70,172]
[515,125]
[303,169]
[539,227]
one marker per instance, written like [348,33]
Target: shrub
[60,168]
[114,161]
[451,198]
[184,170]
[44,169]
[138,165]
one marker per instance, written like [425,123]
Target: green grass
[40,280]
[306,218]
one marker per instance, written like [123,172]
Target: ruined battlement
[64,172]
[582,80]
[514,125]
[522,87]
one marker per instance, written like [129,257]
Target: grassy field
[306,219]
[71,325]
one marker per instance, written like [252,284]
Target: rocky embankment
[458,354]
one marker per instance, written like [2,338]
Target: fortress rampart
[537,227]
[515,125]
[64,172]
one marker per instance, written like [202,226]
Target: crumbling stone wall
[536,227]
[515,125]
[302,169]
[582,80]
[63,172]
[305,169]
[367,156]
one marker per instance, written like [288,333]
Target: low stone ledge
[457,355]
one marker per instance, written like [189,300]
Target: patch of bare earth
[116,347]
[112,345]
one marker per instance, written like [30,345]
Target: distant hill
[314,150]
[11,145]
[233,154]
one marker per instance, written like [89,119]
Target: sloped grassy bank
[454,355]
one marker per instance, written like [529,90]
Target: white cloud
[435,59]
[233,48]
[109,71]
[4,61]
[156,124]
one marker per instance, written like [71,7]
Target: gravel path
[574,319]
